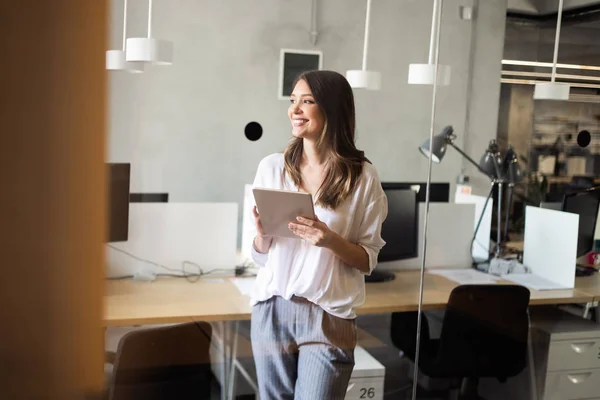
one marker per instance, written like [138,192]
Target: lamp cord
[183,273]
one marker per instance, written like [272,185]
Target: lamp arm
[465,155]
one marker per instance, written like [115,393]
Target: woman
[306,293]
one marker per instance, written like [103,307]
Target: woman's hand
[313,231]
[262,241]
[319,234]
[259,228]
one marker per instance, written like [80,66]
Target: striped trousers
[301,352]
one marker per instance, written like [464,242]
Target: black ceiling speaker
[253,131]
[584,138]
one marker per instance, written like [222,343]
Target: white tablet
[277,208]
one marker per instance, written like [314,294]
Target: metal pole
[429,165]
[149,18]
[124,24]
[366,44]
[435,27]
[557,38]
[499,223]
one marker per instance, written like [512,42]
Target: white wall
[181,126]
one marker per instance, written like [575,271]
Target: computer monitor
[149,197]
[585,204]
[118,177]
[400,230]
[551,205]
[439,191]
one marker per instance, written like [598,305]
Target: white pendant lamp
[362,78]
[149,49]
[424,74]
[553,90]
[115,59]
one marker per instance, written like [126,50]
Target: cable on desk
[191,277]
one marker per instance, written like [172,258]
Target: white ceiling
[546,6]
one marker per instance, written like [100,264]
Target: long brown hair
[333,95]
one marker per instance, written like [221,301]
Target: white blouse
[294,267]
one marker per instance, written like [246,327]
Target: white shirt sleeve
[369,236]
[259,258]
[259,181]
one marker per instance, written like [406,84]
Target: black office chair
[171,362]
[484,334]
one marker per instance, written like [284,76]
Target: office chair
[171,362]
[484,334]
[582,181]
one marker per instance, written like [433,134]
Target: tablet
[277,208]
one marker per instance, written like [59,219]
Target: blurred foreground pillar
[52,125]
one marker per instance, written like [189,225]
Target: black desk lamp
[491,165]
[439,145]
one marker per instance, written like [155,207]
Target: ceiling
[543,7]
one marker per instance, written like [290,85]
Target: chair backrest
[582,181]
[485,331]
[170,362]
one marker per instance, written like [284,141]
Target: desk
[588,285]
[174,300]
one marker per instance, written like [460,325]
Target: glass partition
[205,104]
[524,206]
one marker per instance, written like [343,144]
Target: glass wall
[445,116]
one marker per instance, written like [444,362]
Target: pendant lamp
[115,59]
[149,49]
[364,79]
[424,74]
[553,90]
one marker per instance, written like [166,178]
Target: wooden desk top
[589,285]
[172,300]
[402,294]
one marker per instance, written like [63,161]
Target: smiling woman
[315,280]
[307,119]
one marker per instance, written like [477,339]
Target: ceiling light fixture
[553,90]
[115,59]
[424,74]
[362,78]
[149,49]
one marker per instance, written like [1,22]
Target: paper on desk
[244,285]
[533,281]
[465,276]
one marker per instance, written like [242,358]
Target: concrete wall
[181,126]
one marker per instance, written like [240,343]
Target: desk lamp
[491,165]
[487,166]
[439,145]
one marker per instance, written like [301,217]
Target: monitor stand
[380,276]
[583,268]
